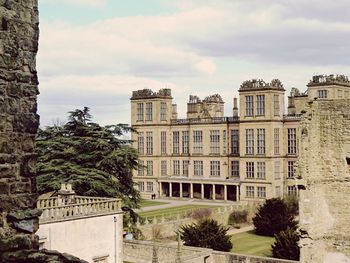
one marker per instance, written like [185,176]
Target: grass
[145,203]
[171,210]
[251,244]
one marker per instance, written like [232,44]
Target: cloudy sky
[96,52]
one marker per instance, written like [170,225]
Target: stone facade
[323,171]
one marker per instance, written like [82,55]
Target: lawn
[145,203]
[252,244]
[171,210]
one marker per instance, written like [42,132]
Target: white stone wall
[86,238]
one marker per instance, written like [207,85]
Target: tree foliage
[91,157]
[272,217]
[286,244]
[207,233]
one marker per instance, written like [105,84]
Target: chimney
[235,108]
[174,112]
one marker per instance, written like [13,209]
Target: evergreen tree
[286,244]
[91,157]
[207,233]
[272,217]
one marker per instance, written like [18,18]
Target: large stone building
[249,155]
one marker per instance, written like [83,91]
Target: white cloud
[100,64]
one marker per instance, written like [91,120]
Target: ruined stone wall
[323,171]
[18,119]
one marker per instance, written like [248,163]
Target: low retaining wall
[227,257]
[142,252]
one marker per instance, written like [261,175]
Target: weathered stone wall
[323,171]
[142,251]
[18,120]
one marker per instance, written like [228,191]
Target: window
[249,141]
[276,105]
[149,168]
[276,140]
[149,116]
[163,168]
[249,191]
[215,141]
[141,186]
[250,169]
[235,168]
[277,170]
[234,142]
[214,168]
[292,190]
[292,141]
[176,167]
[140,111]
[346,94]
[149,143]
[261,141]
[261,191]
[322,94]
[224,141]
[249,105]
[198,168]
[163,111]
[163,142]
[185,145]
[291,169]
[141,168]
[260,105]
[149,186]
[140,143]
[278,191]
[261,170]
[185,164]
[197,142]
[176,142]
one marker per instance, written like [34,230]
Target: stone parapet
[53,211]
[327,80]
[259,84]
[147,94]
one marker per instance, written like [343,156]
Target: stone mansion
[247,156]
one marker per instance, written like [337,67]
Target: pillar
[160,189]
[191,190]
[202,191]
[225,192]
[237,193]
[180,190]
[170,189]
[214,192]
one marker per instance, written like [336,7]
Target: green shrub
[201,214]
[238,217]
[207,233]
[272,217]
[286,245]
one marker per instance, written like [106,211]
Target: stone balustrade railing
[82,207]
[176,216]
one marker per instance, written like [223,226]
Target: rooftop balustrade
[56,209]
